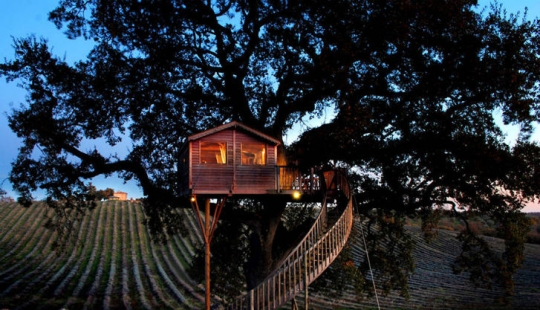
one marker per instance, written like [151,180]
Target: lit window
[213,153]
[253,154]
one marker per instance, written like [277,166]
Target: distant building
[119,196]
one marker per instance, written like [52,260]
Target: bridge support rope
[369,264]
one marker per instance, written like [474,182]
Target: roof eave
[233,124]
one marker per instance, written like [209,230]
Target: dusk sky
[29,17]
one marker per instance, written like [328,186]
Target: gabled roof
[233,125]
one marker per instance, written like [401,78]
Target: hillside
[116,266]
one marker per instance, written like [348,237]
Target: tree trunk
[261,260]
[268,241]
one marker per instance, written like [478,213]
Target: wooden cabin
[234,159]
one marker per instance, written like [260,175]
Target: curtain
[223,153]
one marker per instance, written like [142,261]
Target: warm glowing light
[192,199]
[296,195]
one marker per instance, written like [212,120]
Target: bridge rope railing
[308,260]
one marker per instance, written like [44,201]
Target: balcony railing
[290,178]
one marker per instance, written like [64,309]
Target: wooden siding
[233,177]
[255,179]
[212,178]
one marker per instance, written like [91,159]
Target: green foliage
[417,119]
[241,251]
[534,234]
[296,214]
[100,195]
[515,226]
[478,260]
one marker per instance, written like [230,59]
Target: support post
[207,252]
[306,303]
[294,305]
[207,229]
[311,181]
[251,300]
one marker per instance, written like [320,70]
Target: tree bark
[272,219]
[261,242]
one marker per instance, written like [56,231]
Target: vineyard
[116,266]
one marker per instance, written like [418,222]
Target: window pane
[253,154]
[213,153]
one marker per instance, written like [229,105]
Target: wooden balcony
[290,179]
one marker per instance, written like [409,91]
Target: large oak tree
[416,87]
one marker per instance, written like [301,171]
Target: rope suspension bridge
[314,254]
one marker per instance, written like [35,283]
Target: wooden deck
[242,181]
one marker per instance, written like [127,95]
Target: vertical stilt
[207,252]
[251,300]
[306,281]
[207,230]
[294,304]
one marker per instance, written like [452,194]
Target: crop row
[115,265]
[434,286]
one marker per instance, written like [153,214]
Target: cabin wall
[241,137]
[254,178]
[233,177]
[212,177]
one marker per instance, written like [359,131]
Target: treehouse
[234,159]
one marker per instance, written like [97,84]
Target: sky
[21,18]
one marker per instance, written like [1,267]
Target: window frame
[264,151]
[222,153]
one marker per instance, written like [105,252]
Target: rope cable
[368,260]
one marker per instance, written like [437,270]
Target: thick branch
[101,166]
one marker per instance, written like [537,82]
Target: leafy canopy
[416,87]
